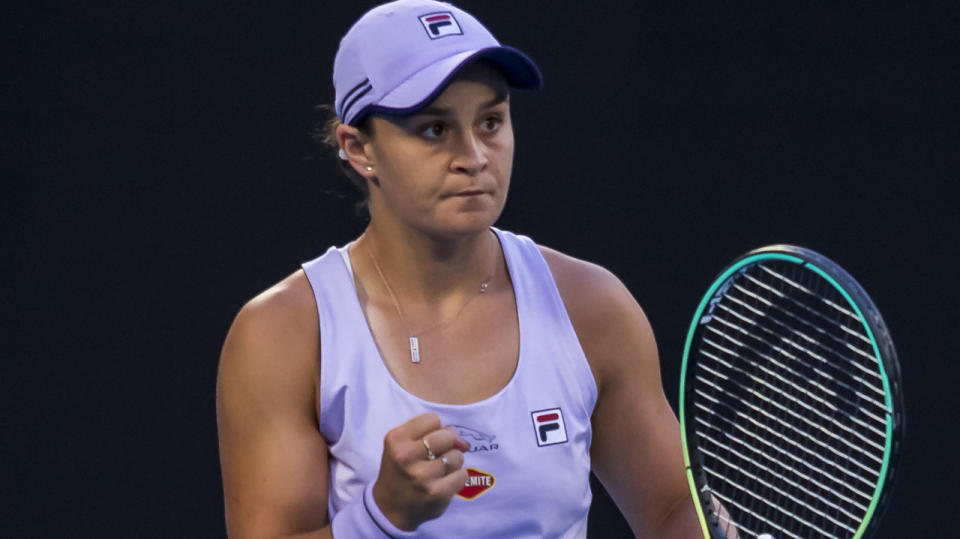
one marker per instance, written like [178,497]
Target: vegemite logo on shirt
[479,441]
[548,426]
[440,24]
[477,483]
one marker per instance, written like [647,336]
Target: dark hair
[325,135]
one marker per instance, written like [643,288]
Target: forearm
[681,522]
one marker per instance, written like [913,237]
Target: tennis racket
[791,409]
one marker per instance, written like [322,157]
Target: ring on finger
[430,455]
[446,464]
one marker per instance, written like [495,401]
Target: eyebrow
[444,111]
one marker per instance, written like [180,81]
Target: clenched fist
[420,471]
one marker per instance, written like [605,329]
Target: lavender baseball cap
[399,56]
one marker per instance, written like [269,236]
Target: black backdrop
[159,173]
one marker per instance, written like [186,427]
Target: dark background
[158,173]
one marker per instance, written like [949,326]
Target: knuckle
[419,473]
[433,420]
[446,436]
[436,490]
[392,437]
[407,476]
[406,455]
[454,459]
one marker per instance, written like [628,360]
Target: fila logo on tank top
[549,427]
[529,457]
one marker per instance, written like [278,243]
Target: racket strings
[836,377]
[818,385]
[782,324]
[810,306]
[795,382]
[784,329]
[756,366]
[790,416]
[823,331]
[785,321]
[732,504]
[756,477]
[782,471]
[865,350]
[787,410]
[799,416]
[776,467]
[819,295]
[777,507]
[824,459]
[766,343]
[813,470]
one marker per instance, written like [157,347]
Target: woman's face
[446,169]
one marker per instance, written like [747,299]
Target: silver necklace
[414,340]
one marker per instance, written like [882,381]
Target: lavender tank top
[529,461]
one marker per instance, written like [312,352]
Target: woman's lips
[472,193]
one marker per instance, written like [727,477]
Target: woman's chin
[464,225]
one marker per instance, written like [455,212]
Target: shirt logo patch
[477,483]
[478,440]
[548,426]
[440,24]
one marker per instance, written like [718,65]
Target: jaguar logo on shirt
[548,426]
[479,441]
[477,483]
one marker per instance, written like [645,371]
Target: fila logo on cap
[440,24]
[549,427]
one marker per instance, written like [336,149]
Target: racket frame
[883,348]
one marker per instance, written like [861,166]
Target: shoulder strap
[544,321]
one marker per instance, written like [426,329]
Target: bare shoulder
[586,286]
[605,315]
[273,341]
[287,307]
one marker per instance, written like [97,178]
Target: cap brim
[408,97]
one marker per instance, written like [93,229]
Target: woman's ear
[352,142]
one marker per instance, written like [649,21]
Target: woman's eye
[492,123]
[434,131]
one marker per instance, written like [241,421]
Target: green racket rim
[750,259]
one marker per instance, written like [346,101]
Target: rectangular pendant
[414,350]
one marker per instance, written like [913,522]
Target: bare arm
[273,458]
[636,449]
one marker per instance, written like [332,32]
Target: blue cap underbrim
[406,99]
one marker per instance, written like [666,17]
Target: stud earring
[369,168]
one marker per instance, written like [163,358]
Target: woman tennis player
[438,377]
